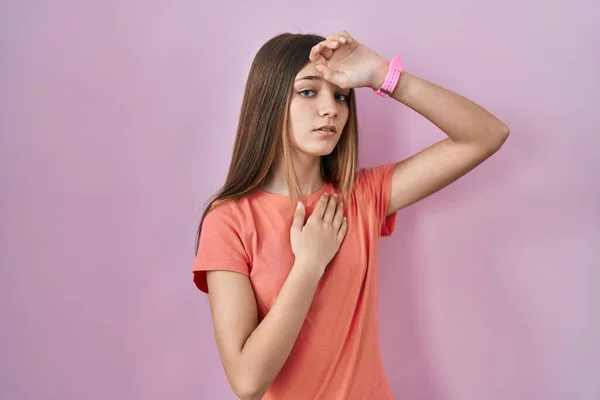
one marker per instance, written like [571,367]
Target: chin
[318,151]
[321,148]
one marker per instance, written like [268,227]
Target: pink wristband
[391,79]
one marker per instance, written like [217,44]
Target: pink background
[117,121]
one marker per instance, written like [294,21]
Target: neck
[308,172]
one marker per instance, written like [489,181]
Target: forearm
[458,117]
[270,344]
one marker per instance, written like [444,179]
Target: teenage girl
[288,249]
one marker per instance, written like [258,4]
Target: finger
[320,207]
[340,38]
[324,49]
[339,216]
[333,44]
[331,207]
[343,230]
[330,76]
[320,50]
[325,71]
[299,214]
[347,36]
[315,52]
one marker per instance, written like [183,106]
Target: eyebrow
[310,78]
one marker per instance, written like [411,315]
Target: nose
[328,108]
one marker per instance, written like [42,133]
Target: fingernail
[299,205]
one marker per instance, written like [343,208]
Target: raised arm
[474,135]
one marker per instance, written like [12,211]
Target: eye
[344,97]
[304,91]
[339,96]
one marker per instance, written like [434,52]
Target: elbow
[504,133]
[247,381]
[248,389]
[499,136]
[249,394]
[244,393]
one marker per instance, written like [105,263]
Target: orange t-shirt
[337,354]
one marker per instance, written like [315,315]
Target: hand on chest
[272,260]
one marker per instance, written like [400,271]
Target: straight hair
[263,126]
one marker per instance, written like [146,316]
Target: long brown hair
[262,131]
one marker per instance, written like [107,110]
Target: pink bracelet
[391,79]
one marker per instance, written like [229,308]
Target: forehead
[310,70]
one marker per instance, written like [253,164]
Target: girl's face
[315,103]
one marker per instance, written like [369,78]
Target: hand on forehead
[311,73]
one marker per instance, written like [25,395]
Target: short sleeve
[220,246]
[376,183]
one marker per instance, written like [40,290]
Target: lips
[327,128]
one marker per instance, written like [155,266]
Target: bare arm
[474,134]
[253,353]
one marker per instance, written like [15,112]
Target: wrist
[310,267]
[380,74]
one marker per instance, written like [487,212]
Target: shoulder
[235,213]
[368,178]
[222,212]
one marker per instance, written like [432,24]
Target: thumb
[330,76]
[326,72]
[298,223]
